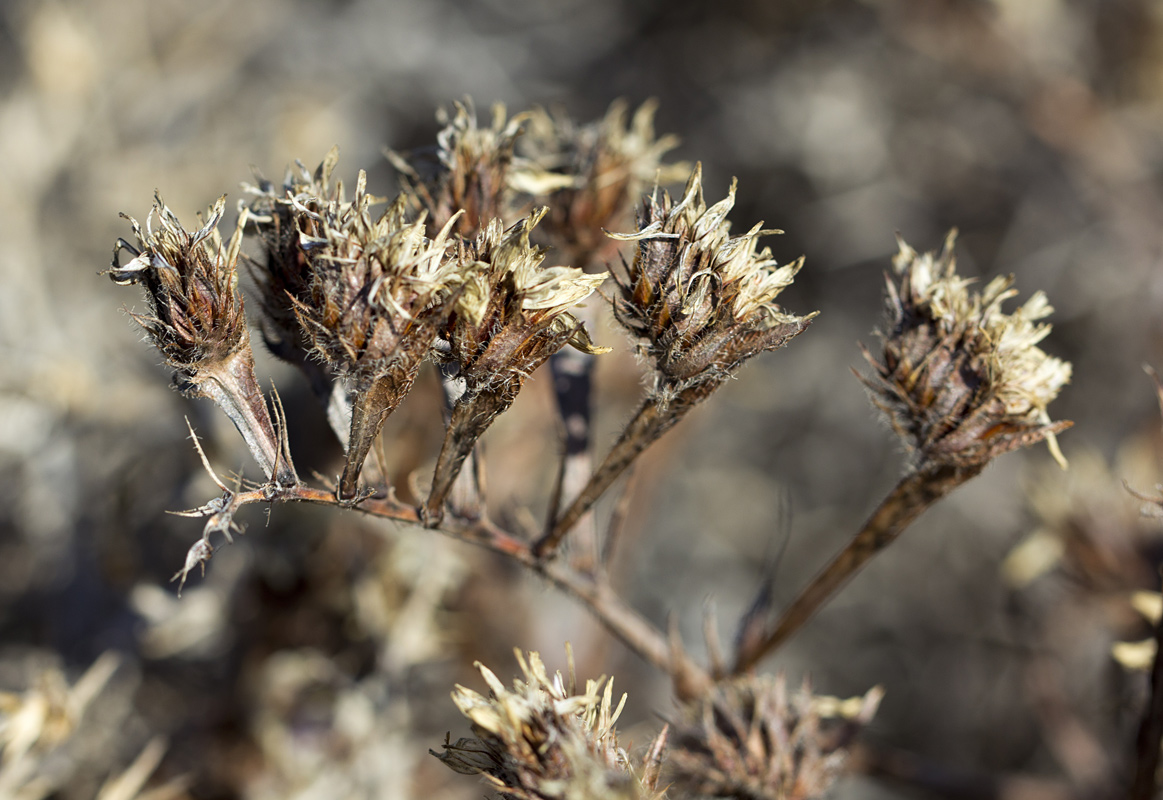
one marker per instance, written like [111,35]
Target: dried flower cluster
[546,740]
[597,172]
[456,271]
[514,315]
[752,738]
[960,380]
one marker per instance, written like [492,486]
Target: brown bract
[960,380]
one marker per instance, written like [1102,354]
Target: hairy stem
[233,386]
[369,409]
[471,417]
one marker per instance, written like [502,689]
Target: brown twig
[603,602]
[912,495]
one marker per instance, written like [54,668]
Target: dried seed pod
[380,291]
[546,740]
[960,380]
[702,302]
[513,314]
[196,320]
[750,738]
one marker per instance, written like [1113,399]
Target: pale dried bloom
[473,170]
[196,320]
[601,169]
[380,292]
[701,300]
[546,740]
[752,739]
[42,735]
[960,380]
[1140,655]
[513,314]
[284,274]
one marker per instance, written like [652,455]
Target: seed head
[515,312]
[380,292]
[283,276]
[512,315]
[472,170]
[749,738]
[546,740]
[191,285]
[196,321]
[960,380]
[600,169]
[702,301]
[376,287]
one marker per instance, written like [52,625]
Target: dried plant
[454,272]
[545,739]
[752,738]
[196,321]
[702,302]
[515,315]
[380,292]
[961,382]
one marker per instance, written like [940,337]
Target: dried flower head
[960,380]
[701,300]
[284,274]
[380,292]
[473,170]
[751,739]
[513,314]
[191,285]
[196,320]
[546,740]
[602,168]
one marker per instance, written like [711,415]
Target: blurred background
[316,656]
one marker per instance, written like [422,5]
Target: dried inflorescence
[514,313]
[751,738]
[603,166]
[196,320]
[473,170]
[380,293]
[701,302]
[960,380]
[283,275]
[546,740]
